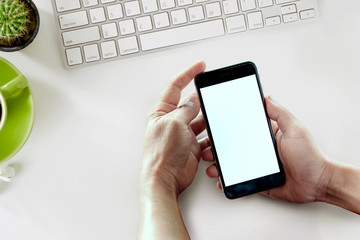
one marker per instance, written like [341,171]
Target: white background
[78,172]
[240,130]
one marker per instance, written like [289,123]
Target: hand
[306,168]
[170,160]
[171,151]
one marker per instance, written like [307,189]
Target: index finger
[170,98]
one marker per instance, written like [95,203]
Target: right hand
[306,168]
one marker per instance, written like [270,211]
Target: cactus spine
[14,20]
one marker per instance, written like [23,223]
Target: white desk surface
[77,174]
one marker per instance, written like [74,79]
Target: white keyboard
[96,31]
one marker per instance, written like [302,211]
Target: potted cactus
[19,24]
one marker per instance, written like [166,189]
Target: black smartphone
[239,130]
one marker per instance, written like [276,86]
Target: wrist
[154,179]
[325,180]
[159,214]
[343,188]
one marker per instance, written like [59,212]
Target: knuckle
[149,115]
[173,124]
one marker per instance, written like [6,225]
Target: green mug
[16,111]
[8,90]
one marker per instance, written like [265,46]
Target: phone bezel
[236,72]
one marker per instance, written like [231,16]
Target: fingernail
[190,102]
[271,99]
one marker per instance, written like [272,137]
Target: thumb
[188,110]
[284,119]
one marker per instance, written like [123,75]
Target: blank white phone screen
[240,130]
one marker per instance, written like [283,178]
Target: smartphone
[239,130]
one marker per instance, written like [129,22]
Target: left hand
[171,151]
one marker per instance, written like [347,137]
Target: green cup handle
[14,86]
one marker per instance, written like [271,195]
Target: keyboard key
[213,10]
[144,23]
[79,36]
[255,20]
[288,9]
[166,4]
[73,56]
[265,3]
[128,45]
[126,27]
[247,5]
[108,49]
[183,34]
[91,53]
[196,13]
[178,16]
[97,15]
[66,5]
[306,14]
[107,1]
[292,17]
[285,1]
[149,6]
[109,30]
[90,3]
[132,8]
[271,21]
[184,2]
[230,6]
[72,20]
[161,20]
[235,24]
[114,11]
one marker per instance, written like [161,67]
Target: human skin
[170,159]
[172,153]
[310,174]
